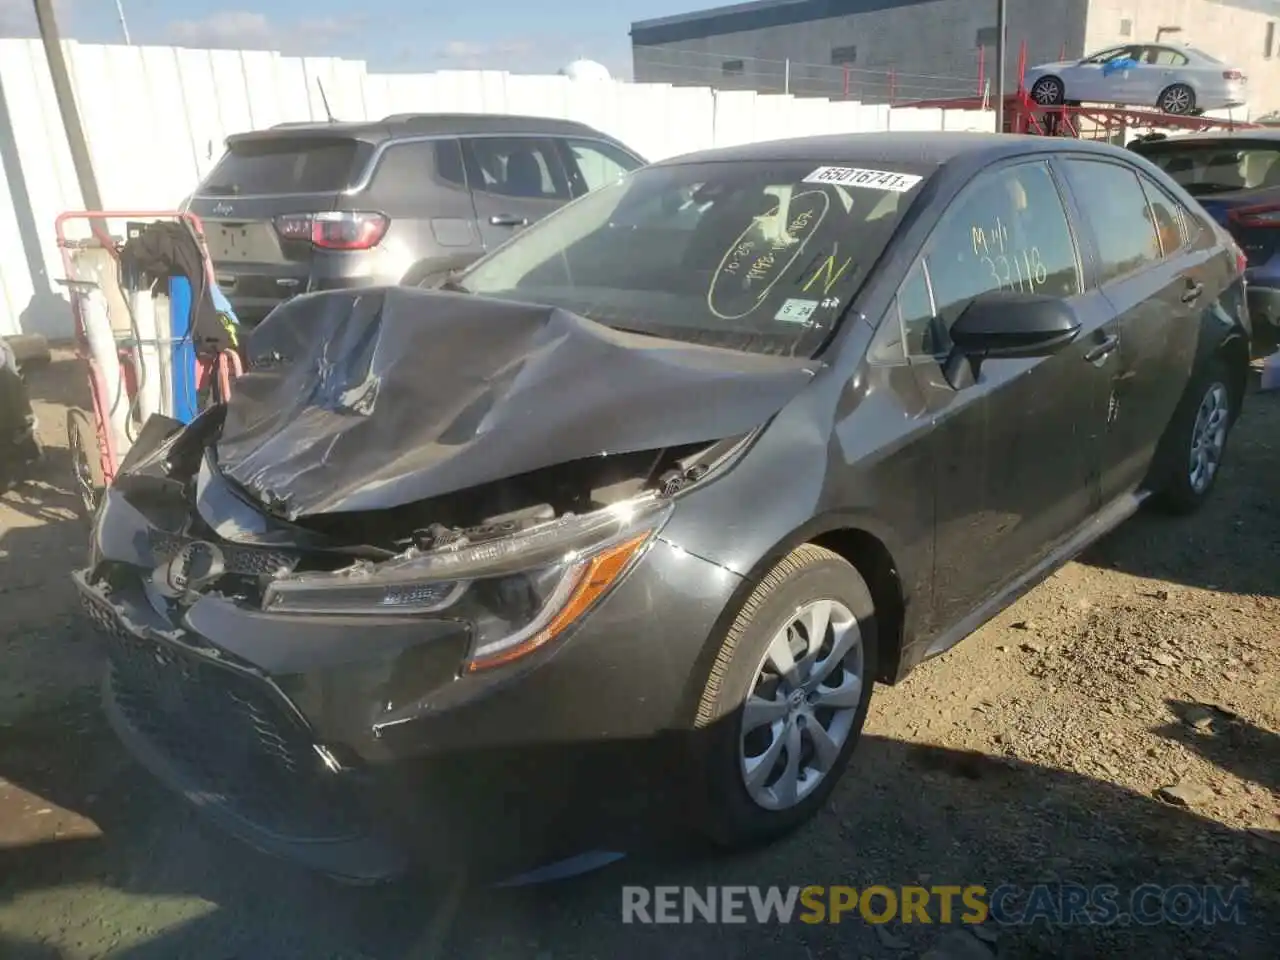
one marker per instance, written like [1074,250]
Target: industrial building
[904,50]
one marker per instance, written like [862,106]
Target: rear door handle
[1103,349]
[1192,293]
[508,220]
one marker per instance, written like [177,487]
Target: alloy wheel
[802,705]
[1047,91]
[1176,100]
[1209,436]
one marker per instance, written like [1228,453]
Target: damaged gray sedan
[707,453]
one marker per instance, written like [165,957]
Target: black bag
[18,445]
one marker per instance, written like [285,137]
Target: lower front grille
[227,735]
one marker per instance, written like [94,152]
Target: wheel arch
[1235,352]
[867,550]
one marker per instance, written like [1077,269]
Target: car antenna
[325,100]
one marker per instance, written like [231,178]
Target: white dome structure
[586,70]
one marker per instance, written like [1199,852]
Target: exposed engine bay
[402,451]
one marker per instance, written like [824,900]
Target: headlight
[515,593]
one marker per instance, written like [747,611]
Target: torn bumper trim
[241,709]
[233,746]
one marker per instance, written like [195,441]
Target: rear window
[287,165]
[1205,168]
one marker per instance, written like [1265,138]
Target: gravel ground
[1121,724]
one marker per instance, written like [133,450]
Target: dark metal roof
[762,14]
[918,150]
[758,15]
[426,124]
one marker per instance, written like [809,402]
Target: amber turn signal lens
[591,578]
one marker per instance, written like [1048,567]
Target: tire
[1209,404]
[731,814]
[1177,99]
[86,461]
[1048,91]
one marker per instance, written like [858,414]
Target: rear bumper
[252,297]
[1264,305]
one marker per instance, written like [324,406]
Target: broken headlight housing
[516,592]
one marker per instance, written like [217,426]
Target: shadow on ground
[1228,742]
[1245,522]
[961,818]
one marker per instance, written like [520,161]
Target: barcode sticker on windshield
[867,179]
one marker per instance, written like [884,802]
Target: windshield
[761,257]
[1216,167]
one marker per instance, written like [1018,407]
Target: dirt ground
[1120,725]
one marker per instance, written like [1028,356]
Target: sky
[523,36]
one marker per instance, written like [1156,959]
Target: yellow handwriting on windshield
[753,264]
[829,271]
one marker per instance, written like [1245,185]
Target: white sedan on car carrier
[1173,78]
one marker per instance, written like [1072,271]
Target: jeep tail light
[334,230]
[294,226]
[1262,215]
[1242,262]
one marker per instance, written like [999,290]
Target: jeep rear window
[287,165]
[1204,167]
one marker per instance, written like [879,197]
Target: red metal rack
[1024,115]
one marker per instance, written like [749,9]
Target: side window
[1007,232]
[523,167]
[591,164]
[916,313]
[1167,216]
[404,165]
[449,162]
[1164,57]
[1112,201]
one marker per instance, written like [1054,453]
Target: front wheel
[1048,92]
[786,698]
[1197,440]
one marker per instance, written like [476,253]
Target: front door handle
[1103,349]
[1192,293]
[508,220]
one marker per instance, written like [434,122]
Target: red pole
[1062,53]
[982,67]
[846,81]
[1022,64]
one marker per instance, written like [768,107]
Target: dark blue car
[1236,178]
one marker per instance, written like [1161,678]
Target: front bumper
[320,738]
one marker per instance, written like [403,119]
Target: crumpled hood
[364,400]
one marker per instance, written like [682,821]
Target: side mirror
[1009,325]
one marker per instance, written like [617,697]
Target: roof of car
[424,125]
[922,149]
